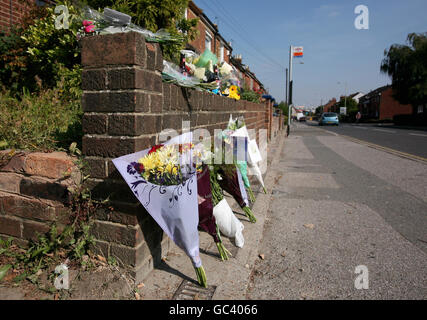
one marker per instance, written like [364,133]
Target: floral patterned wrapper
[174,208]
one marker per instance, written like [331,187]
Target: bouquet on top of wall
[111,21]
[164,180]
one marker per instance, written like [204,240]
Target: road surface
[339,206]
[405,140]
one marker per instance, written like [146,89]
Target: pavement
[339,205]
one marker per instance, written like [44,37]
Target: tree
[284,107]
[407,67]
[352,108]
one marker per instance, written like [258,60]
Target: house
[208,35]
[330,105]
[210,38]
[379,104]
[247,78]
[356,96]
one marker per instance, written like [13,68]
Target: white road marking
[418,134]
[364,128]
[388,131]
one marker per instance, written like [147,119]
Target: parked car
[329,118]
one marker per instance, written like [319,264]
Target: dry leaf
[56,297]
[262,256]
[101,258]
[283,254]
[309,226]
[137,296]
[141,285]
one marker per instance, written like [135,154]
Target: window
[221,53]
[208,41]
[252,84]
[420,109]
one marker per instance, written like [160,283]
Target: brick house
[208,35]
[329,107]
[379,104]
[13,11]
[210,38]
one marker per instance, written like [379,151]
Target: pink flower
[90,28]
[87,23]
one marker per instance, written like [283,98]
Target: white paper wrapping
[174,208]
[228,224]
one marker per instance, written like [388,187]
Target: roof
[375,92]
[212,26]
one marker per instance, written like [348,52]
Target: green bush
[38,55]
[40,121]
[250,95]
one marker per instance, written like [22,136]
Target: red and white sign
[298,52]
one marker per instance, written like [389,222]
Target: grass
[47,120]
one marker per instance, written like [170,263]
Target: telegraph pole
[290,87]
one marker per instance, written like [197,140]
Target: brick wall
[126,105]
[11,13]
[33,190]
[390,107]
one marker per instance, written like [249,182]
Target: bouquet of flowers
[164,180]
[207,219]
[112,21]
[227,222]
[253,155]
[230,178]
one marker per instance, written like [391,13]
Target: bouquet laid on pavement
[239,129]
[227,222]
[164,180]
[207,220]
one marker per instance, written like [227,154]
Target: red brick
[15,164]
[31,230]
[113,147]
[10,226]
[94,123]
[130,256]
[15,205]
[115,49]
[133,124]
[128,101]
[55,165]
[117,233]
[10,182]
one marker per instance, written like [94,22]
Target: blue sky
[334,50]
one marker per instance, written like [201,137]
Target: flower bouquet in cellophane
[229,176]
[164,180]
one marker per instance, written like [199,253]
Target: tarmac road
[338,205]
[401,139]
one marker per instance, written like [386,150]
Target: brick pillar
[122,103]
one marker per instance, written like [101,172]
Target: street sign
[298,52]
[343,110]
